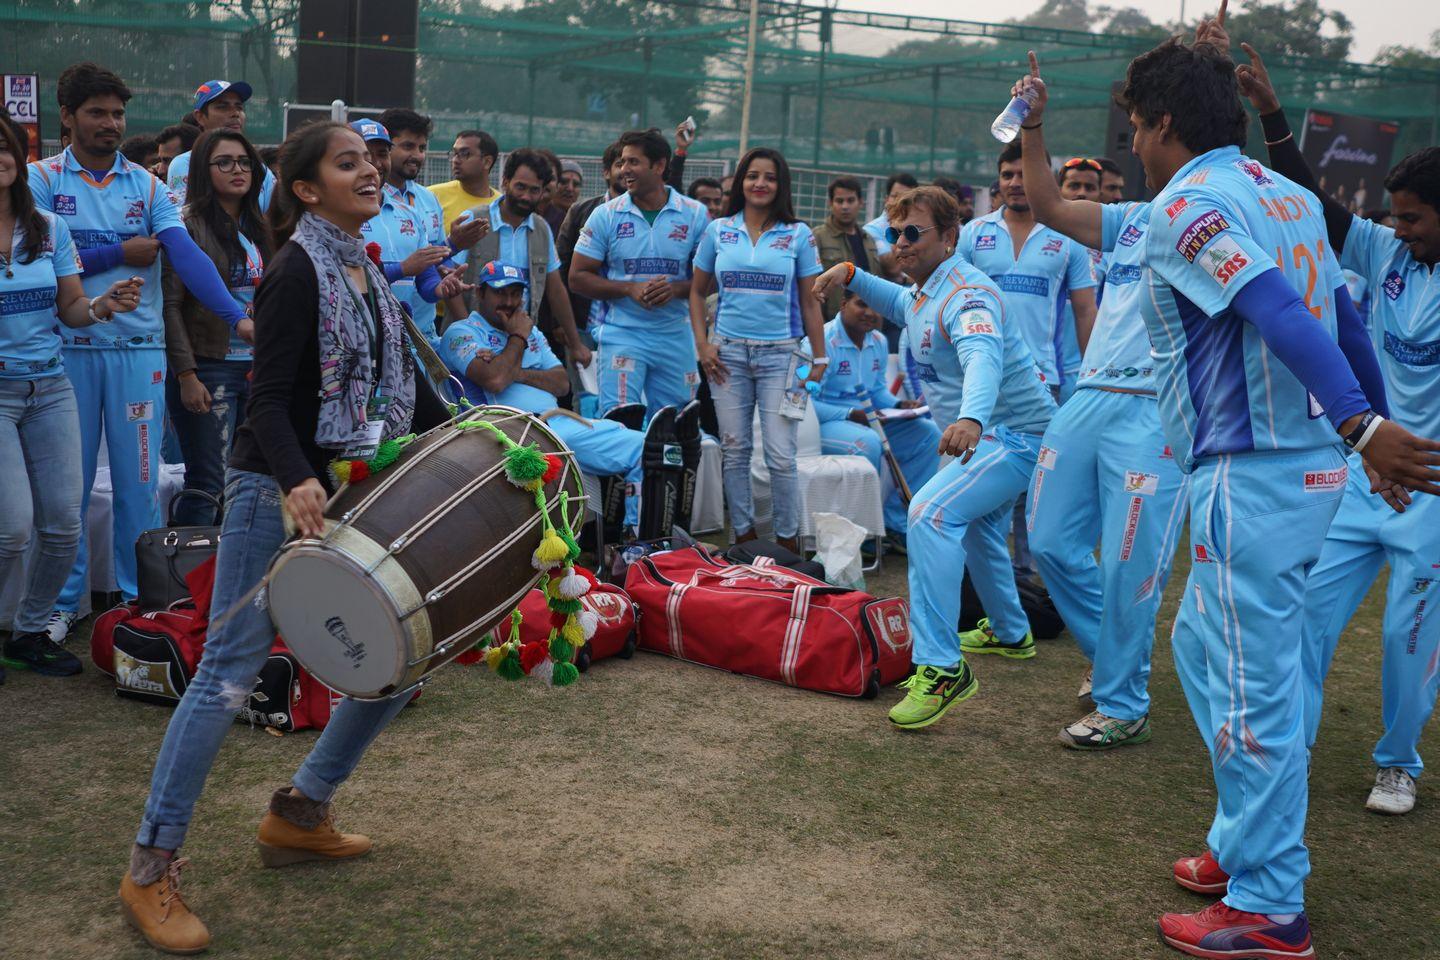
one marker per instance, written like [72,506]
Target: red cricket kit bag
[615,618]
[763,620]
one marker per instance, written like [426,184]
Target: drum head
[340,624]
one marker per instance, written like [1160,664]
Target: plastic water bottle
[1007,126]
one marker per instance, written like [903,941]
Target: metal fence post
[825,37]
[934,114]
[647,48]
[530,108]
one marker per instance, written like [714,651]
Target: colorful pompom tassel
[525,465]
[544,672]
[572,632]
[551,552]
[510,667]
[565,674]
[589,622]
[572,586]
[532,655]
[561,650]
[494,656]
[553,466]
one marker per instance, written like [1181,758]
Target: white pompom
[573,586]
[588,623]
[544,671]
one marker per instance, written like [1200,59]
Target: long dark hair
[22,203]
[783,209]
[201,200]
[300,157]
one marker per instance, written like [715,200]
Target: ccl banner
[22,102]
[1350,156]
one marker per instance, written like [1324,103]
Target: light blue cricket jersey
[1404,322]
[399,230]
[177,178]
[242,281]
[1118,354]
[876,228]
[514,244]
[129,202]
[1035,285]
[1221,221]
[971,360]
[430,220]
[1070,358]
[463,341]
[29,342]
[759,295]
[853,374]
[631,249]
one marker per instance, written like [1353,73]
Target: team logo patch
[1254,171]
[1176,208]
[622,362]
[1201,231]
[1053,245]
[1141,483]
[925,339]
[1047,458]
[1224,260]
[986,242]
[143,410]
[1202,556]
[843,367]
[136,210]
[1323,481]
[1130,236]
[64,205]
[1167,453]
[1095,257]
[680,234]
[979,322]
[782,242]
[1394,285]
[625,228]
[157,376]
[729,236]
[1422,584]
[407,228]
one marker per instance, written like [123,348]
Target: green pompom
[510,667]
[524,465]
[565,674]
[560,605]
[389,451]
[561,650]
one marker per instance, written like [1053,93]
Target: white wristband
[1369,432]
[95,317]
[820,362]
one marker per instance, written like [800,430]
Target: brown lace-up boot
[296,829]
[150,899]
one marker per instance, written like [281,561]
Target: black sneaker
[36,651]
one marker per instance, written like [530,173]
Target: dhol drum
[418,561]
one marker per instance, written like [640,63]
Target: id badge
[793,404]
[375,412]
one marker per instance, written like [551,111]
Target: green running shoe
[982,640]
[1099,732]
[930,692]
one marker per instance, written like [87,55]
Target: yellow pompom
[573,632]
[494,656]
[341,469]
[551,552]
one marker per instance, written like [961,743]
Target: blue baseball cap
[497,274]
[370,130]
[211,89]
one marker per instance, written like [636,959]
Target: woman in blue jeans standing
[208,385]
[333,374]
[764,260]
[40,483]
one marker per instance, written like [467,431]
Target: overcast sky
[1377,22]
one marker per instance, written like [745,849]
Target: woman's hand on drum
[306,503]
[710,361]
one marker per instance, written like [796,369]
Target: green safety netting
[835,89]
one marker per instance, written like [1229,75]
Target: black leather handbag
[165,556]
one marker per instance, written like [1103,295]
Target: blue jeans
[40,488]
[234,653]
[759,372]
[205,437]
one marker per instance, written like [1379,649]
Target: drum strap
[435,368]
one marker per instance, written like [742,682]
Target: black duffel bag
[164,556]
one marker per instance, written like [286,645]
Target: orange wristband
[850,273]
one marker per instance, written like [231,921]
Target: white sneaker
[1087,684]
[59,625]
[1394,792]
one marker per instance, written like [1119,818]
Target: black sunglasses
[911,233]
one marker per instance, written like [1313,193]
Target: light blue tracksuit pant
[915,443]
[1105,474]
[1257,524]
[653,367]
[959,521]
[1365,534]
[121,392]
[606,449]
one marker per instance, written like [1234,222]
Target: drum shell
[491,513]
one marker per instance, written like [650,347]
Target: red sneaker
[1201,874]
[1220,932]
